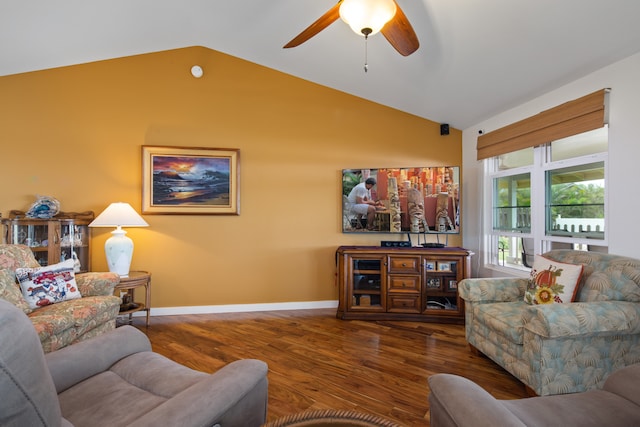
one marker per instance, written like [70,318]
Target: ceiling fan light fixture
[367,17]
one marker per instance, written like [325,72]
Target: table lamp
[119,248]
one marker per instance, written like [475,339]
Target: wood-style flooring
[319,362]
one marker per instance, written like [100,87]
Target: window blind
[573,117]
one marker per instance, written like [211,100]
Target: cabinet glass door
[441,285]
[33,234]
[367,287]
[74,243]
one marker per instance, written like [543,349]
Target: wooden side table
[135,280]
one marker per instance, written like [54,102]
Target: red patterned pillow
[48,285]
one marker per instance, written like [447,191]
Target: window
[512,201]
[546,197]
[545,181]
[576,201]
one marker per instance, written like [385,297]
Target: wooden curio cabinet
[416,283]
[52,240]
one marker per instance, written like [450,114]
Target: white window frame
[542,242]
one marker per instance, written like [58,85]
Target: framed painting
[190,180]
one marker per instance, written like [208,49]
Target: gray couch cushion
[28,394]
[625,382]
[135,385]
[457,401]
[594,408]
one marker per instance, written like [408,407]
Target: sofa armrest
[75,363]
[457,401]
[97,284]
[235,395]
[583,319]
[489,290]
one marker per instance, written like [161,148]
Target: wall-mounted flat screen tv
[401,200]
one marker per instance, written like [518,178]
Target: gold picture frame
[190,180]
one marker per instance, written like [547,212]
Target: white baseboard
[238,308]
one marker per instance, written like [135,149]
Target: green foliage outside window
[577,200]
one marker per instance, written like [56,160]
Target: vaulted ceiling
[477,57]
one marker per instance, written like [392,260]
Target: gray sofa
[457,401]
[116,380]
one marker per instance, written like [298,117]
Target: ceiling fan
[363,16]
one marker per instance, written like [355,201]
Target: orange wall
[75,133]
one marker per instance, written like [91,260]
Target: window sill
[515,271]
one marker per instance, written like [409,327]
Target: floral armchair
[66,322]
[559,348]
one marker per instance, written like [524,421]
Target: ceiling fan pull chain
[366,32]
[366,65]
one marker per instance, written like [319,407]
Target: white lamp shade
[372,14]
[119,214]
[119,248]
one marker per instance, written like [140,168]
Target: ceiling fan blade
[323,22]
[400,34]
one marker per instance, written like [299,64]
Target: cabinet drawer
[403,303]
[404,283]
[404,264]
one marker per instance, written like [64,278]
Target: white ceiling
[477,57]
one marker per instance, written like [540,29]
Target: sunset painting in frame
[190,180]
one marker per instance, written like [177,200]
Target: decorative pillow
[48,285]
[552,282]
[10,291]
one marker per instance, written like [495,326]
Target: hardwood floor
[319,362]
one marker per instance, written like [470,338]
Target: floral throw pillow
[48,285]
[552,282]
